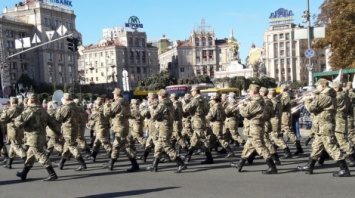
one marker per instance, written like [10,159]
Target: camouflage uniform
[254,127]
[231,124]
[198,109]
[324,108]
[119,112]
[285,100]
[186,132]
[83,119]
[351,115]
[136,123]
[14,134]
[177,123]
[53,142]
[163,115]
[100,124]
[34,120]
[68,115]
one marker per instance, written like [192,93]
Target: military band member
[83,119]
[53,141]
[177,124]
[136,123]
[351,113]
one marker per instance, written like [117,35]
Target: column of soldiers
[191,122]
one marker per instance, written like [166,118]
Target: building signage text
[281,16]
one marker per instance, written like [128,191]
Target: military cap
[32,96]
[152,95]
[349,84]
[272,90]
[117,91]
[67,96]
[13,99]
[173,95]
[214,97]
[263,89]
[195,88]
[163,92]
[253,86]
[337,84]
[322,81]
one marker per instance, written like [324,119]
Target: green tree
[26,80]
[157,81]
[338,16]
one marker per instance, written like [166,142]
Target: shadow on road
[128,193]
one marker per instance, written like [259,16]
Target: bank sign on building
[65,3]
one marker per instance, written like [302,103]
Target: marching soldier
[34,120]
[324,109]
[53,142]
[177,124]
[253,113]
[136,123]
[186,132]
[83,119]
[217,116]
[342,107]
[68,115]
[119,112]
[100,124]
[14,134]
[285,100]
[351,114]
[198,109]
[163,115]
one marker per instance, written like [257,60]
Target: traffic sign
[309,53]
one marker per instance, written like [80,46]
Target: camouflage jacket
[216,113]
[8,117]
[49,131]
[68,115]
[177,111]
[163,113]
[276,115]
[343,104]
[98,121]
[119,112]
[253,113]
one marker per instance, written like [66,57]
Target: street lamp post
[307,19]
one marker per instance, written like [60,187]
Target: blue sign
[309,53]
[60,2]
[281,15]
[134,23]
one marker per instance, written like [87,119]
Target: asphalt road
[217,180]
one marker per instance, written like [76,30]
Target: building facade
[51,63]
[284,56]
[106,62]
[202,54]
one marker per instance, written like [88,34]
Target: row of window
[203,41]
[57,23]
[60,57]
[11,34]
[60,80]
[60,68]
[137,42]
[282,36]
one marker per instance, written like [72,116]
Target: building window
[143,43]
[57,22]
[281,36]
[59,68]
[282,62]
[275,37]
[210,41]
[97,78]
[136,42]
[69,58]
[203,41]
[9,33]
[50,68]
[130,42]
[197,42]
[50,79]
[68,25]
[287,36]
[276,62]
[69,68]
[138,70]
[49,56]
[47,21]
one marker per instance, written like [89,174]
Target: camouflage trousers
[277,138]
[16,149]
[34,153]
[344,143]
[329,143]
[54,143]
[217,129]
[119,142]
[163,145]
[230,131]
[177,136]
[186,131]
[137,134]
[290,134]
[351,137]
[255,143]
[104,142]
[268,143]
[81,138]
[199,139]
[70,146]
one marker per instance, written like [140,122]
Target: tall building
[105,63]
[112,33]
[52,63]
[285,58]
[201,54]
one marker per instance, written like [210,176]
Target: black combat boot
[145,155]
[165,158]
[51,174]
[60,164]
[154,166]
[239,165]
[298,147]
[352,160]
[181,165]
[272,167]
[309,138]
[87,152]
[93,156]
[188,155]
[24,172]
[198,152]
[288,154]
[275,158]
[110,164]
[222,151]
[209,159]
[236,143]
[6,155]
[82,164]
[135,166]
[48,154]
[26,147]
[9,163]
[322,158]
[230,152]
[308,169]
[344,170]
[251,157]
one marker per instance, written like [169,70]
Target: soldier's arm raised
[23,118]
[250,110]
[157,112]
